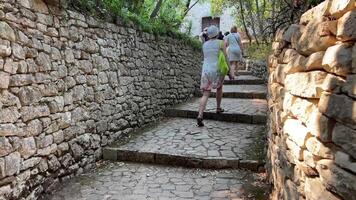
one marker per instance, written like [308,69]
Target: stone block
[4,80]
[86,66]
[56,105]
[315,14]
[350,86]
[321,126]
[305,84]
[296,132]
[18,52]
[8,99]
[298,107]
[287,36]
[331,27]
[315,190]
[47,151]
[345,161]
[354,59]
[10,130]
[311,40]
[338,8]
[332,82]
[280,73]
[27,147]
[44,141]
[44,62]
[339,107]
[21,80]
[89,45]
[310,159]
[5,147]
[2,168]
[12,164]
[296,36]
[345,137]
[29,163]
[307,171]
[32,112]
[77,150]
[336,179]
[317,148]
[33,128]
[276,91]
[272,61]
[295,151]
[296,64]
[10,66]
[5,51]
[29,95]
[39,6]
[6,32]
[290,190]
[64,120]
[9,115]
[58,137]
[338,59]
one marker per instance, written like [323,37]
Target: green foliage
[258,52]
[138,12]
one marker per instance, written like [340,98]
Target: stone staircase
[233,139]
[175,159]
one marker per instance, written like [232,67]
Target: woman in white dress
[234,50]
[211,77]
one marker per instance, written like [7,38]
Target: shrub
[258,52]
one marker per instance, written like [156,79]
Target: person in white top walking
[234,50]
[211,77]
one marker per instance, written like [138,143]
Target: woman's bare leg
[203,102]
[219,94]
[232,69]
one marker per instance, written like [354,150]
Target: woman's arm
[225,48]
[240,44]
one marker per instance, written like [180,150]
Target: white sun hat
[212,31]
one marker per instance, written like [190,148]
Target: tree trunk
[252,23]
[156,10]
[244,22]
[189,8]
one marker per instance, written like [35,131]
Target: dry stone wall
[70,84]
[258,68]
[312,101]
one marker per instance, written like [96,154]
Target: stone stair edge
[117,154]
[227,117]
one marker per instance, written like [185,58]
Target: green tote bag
[223,66]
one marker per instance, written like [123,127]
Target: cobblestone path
[216,155]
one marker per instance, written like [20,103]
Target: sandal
[231,77]
[200,122]
[220,110]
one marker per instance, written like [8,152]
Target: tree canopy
[263,17]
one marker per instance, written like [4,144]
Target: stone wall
[258,68]
[70,85]
[312,101]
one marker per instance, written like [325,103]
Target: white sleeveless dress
[211,77]
[233,49]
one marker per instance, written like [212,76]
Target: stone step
[179,142]
[243,80]
[243,91]
[252,111]
[243,72]
[133,181]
